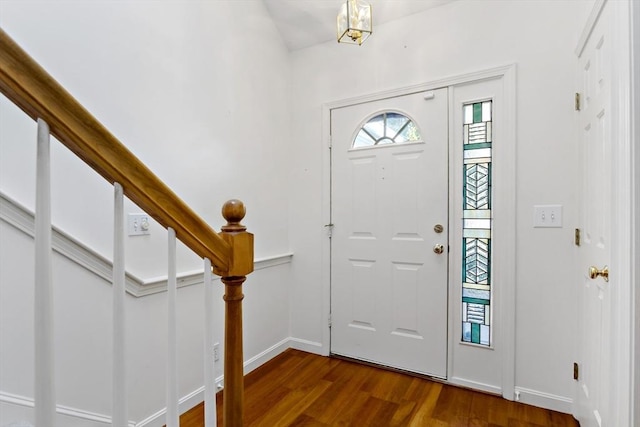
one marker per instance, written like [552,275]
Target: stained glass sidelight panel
[476,227]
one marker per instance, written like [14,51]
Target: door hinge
[329,228]
[576,237]
[329,322]
[577,101]
[576,371]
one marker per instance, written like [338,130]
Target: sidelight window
[476,228]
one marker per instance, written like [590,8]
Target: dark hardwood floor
[302,389]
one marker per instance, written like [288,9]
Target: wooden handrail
[32,89]
[39,95]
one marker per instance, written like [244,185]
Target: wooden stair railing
[32,89]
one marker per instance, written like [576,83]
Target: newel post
[240,264]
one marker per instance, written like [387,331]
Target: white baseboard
[197,396]
[308,346]
[261,358]
[62,411]
[544,400]
[184,404]
[474,385]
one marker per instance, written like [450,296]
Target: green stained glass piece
[476,146]
[475,301]
[475,333]
[477,112]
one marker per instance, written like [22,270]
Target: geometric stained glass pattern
[387,128]
[477,186]
[476,231]
[476,260]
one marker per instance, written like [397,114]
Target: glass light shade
[354,22]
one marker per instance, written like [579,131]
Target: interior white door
[388,283]
[594,289]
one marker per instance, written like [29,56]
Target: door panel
[388,287]
[595,144]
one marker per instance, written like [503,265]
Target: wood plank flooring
[302,389]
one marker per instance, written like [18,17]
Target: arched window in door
[387,128]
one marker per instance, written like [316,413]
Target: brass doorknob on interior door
[594,273]
[438,249]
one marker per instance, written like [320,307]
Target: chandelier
[354,22]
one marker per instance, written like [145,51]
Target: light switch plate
[138,224]
[547,216]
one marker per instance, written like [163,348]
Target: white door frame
[506,252]
[624,206]
[635,170]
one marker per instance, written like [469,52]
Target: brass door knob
[438,249]
[594,273]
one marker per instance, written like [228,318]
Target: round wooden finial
[233,211]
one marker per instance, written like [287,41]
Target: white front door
[390,212]
[594,292]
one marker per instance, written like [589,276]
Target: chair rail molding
[21,218]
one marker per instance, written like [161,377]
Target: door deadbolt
[438,228]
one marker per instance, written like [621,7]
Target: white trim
[507,301]
[635,244]
[622,221]
[474,76]
[17,400]
[263,357]
[588,28]
[474,385]
[21,218]
[325,270]
[308,346]
[197,396]
[506,255]
[544,400]
[184,404]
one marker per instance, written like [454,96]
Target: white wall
[83,334]
[199,90]
[464,36]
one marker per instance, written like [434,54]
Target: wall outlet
[547,216]
[216,352]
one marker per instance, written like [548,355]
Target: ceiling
[303,23]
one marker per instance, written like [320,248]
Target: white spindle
[119,401]
[173,416]
[45,402]
[210,419]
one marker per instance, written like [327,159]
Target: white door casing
[389,287]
